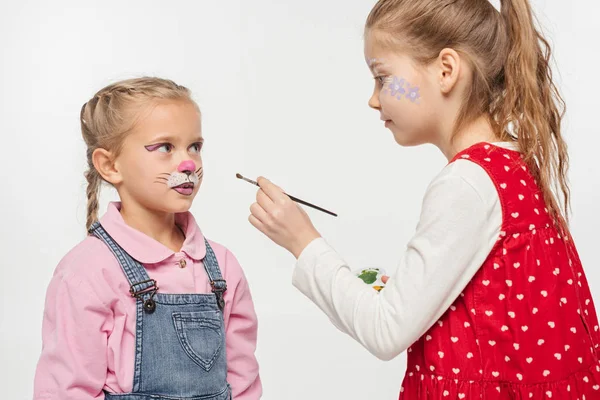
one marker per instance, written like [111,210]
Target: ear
[105,165]
[449,63]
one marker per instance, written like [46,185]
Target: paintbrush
[297,200]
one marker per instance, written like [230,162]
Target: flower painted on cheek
[396,87]
[413,94]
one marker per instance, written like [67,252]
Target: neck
[480,130]
[158,225]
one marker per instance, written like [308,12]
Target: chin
[181,205]
[175,203]
[407,141]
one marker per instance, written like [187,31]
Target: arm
[76,324]
[455,234]
[241,332]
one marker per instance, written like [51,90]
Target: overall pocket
[201,335]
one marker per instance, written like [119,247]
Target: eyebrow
[374,63]
[168,138]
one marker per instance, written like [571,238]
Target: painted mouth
[185,189]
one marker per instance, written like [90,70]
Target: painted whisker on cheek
[179,178]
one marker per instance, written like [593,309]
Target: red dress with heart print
[525,327]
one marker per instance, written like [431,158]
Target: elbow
[387,337]
[387,351]
[385,356]
[387,342]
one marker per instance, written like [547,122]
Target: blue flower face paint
[396,87]
[400,88]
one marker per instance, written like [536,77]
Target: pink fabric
[88,331]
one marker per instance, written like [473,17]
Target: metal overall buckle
[219,292]
[149,304]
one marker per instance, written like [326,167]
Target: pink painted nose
[187,165]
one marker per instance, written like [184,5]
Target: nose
[187,166]
[374,101]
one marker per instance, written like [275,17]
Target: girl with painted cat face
[146,306]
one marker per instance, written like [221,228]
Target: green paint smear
[369,277]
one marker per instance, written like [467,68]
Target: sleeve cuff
[311,253]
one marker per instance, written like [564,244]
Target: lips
[185,189]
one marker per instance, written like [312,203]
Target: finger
[257,224]
[265,201]
[259,213]
[273,191]
[385,279]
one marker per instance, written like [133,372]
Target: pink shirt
[88,331]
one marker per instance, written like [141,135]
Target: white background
[283,88]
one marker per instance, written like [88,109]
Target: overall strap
[141,286]
[217,283]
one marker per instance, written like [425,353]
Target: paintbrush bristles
[240,176]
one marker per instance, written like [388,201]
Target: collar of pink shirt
[147,250]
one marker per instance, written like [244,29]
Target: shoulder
[228,262]
[89,266]
[464,178]
[462,198]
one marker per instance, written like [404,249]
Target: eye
[161,147]
[165,148]
[196,147]
[381,79]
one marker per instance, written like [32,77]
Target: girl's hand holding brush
[281,219]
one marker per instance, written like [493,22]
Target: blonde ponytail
[532,103]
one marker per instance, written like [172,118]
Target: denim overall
[180,338]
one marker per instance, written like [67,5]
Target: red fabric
[525,327]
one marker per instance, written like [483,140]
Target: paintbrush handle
[297,200]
